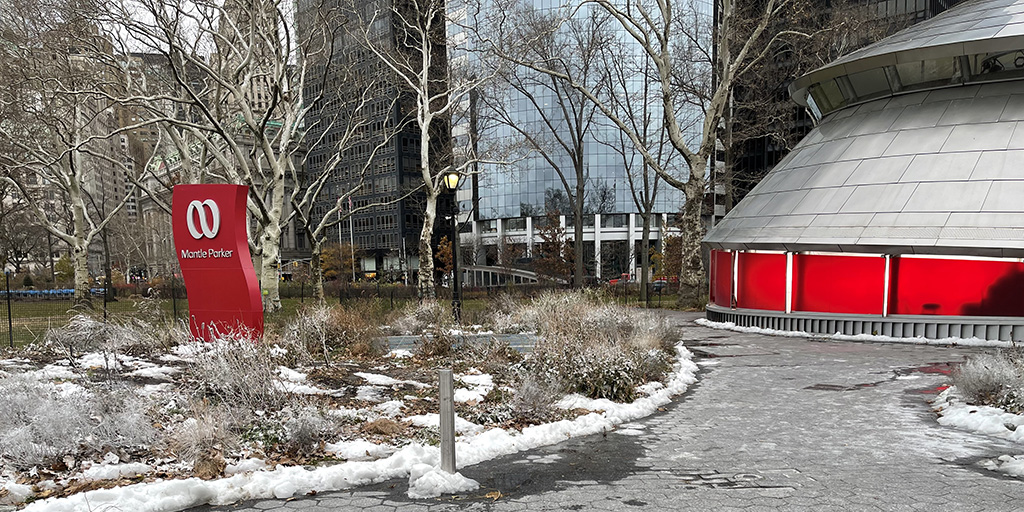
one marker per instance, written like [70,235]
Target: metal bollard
[447,389]
[10,319]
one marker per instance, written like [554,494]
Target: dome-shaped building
[902,213]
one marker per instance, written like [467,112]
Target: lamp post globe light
[451,182]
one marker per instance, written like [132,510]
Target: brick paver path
[773,424]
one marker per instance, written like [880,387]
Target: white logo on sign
[207,229]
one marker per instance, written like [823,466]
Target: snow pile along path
[919,340]
[983,419]
[415,460]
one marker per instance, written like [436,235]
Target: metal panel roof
[949,179]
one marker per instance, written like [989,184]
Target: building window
[614,221]
[517,224]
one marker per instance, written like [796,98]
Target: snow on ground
[293,381]
[305,389]
[360,449]
[370,393]
[479,385]
[54,371]
[416,461]
[426,481]
[434,420]
[115,471]
[155,372]
[391,408]
[383,380]
[918,340]
[244,466]
[983,419]
[290,374]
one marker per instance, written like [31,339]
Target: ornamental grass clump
[595,349]
[428,316]
[322,333]
[238,374]
[993,379]
[42,422]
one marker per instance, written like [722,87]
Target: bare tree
[21,235]
[565,118]
[635,99]
[234,106]
[677,38]
[409,40]
[58,128]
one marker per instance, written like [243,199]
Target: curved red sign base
[210,239]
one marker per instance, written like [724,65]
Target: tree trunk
[577,245]
[645,255]
[691,270]
[270,241]
[80,260]
[426,270]
[80,246]
[316,270]
[581,183]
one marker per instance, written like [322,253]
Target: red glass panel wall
[761,281]
[838,284]
[930,286]
[721,278]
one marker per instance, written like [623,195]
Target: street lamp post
[451,182]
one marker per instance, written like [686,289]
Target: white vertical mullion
[735,299]
[789,282]
[885,288]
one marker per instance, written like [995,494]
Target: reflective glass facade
[530,186]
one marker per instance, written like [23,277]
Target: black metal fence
[26,315]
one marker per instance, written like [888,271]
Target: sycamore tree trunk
[426,270]
[316,269]
[269,280]
[80,234]
[691,269]
[270,238]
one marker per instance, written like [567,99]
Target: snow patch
[383,380]
[115,471]
[426,481]
[360,449]
[245,466]
[434,420]
[399,353]
[155,372]
[370,393]
[290,375]
[390,408]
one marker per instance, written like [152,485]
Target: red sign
[212,244]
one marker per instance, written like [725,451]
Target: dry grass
[993,379]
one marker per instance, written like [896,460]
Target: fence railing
[26,315]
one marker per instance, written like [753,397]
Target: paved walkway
[774,423]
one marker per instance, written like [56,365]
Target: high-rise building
[355,88]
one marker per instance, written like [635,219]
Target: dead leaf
[494,495]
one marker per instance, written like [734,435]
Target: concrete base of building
[900,326]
